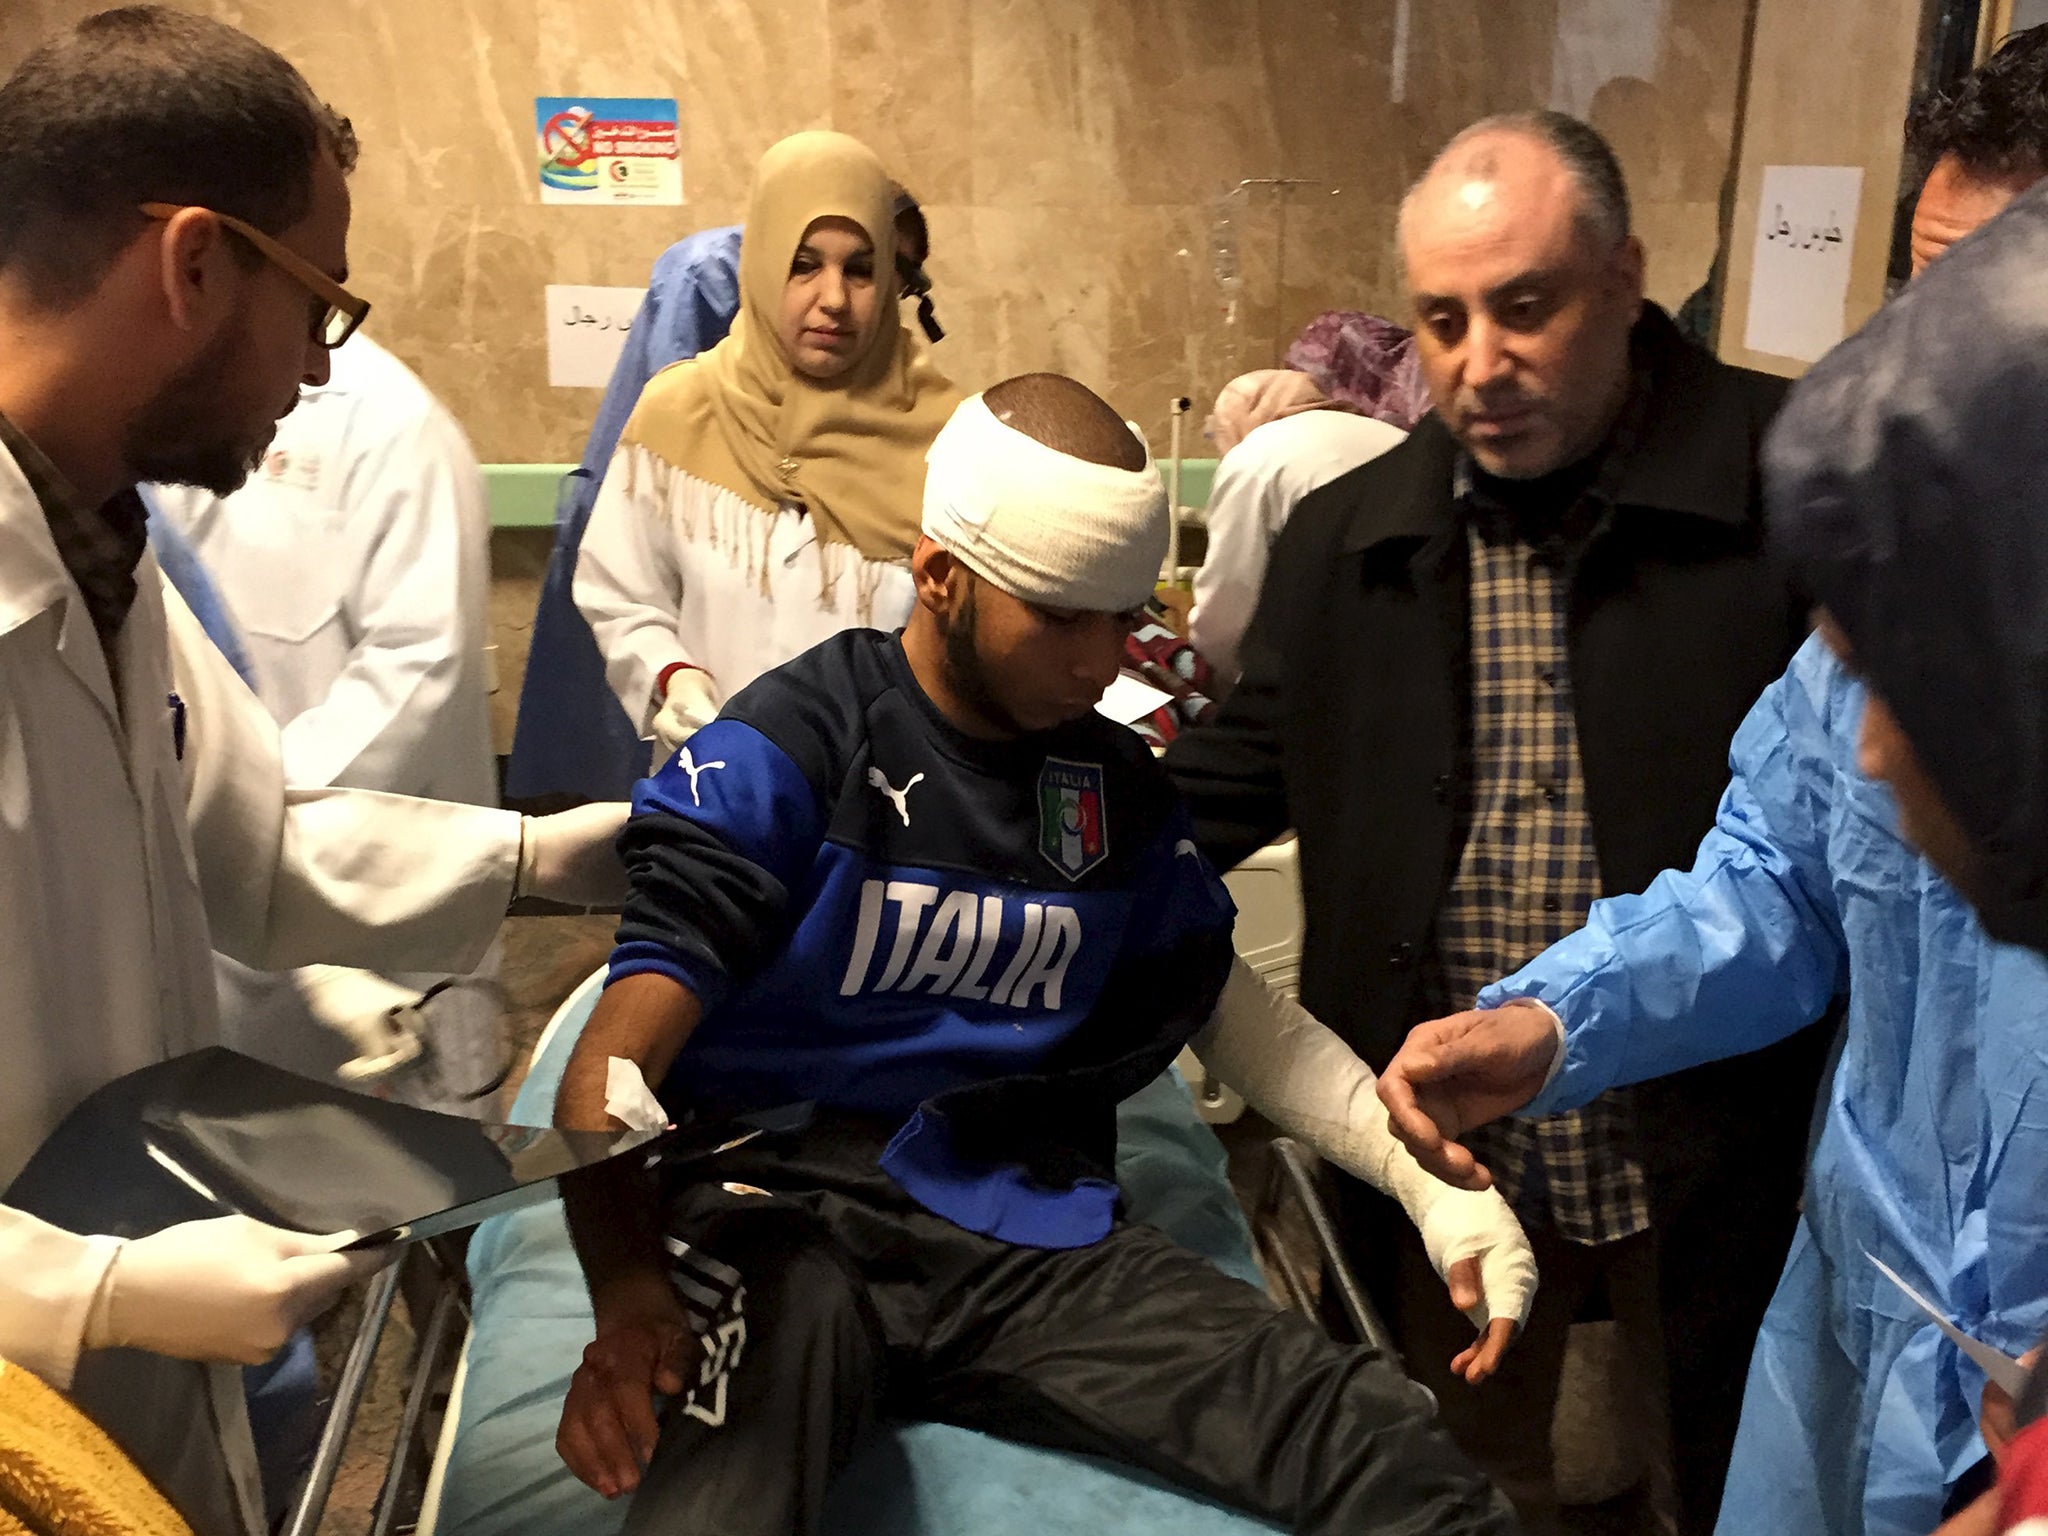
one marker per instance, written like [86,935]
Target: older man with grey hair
[1560,582]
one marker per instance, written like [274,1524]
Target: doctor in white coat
[173,224]
[354,563]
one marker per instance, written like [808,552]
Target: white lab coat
[673,568]
[355,564]
[1258,484]
[122,867]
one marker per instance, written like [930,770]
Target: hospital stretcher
[498,1336]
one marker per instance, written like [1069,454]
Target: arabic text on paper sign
[1806,237]
[1801,259]
[586,328]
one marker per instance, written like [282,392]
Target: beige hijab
[739,416]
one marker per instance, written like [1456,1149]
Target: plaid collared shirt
[100,546]
[1529,871]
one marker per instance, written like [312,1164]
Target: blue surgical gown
[1933,1153]
[572,737]
[181,566]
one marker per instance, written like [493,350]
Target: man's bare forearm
[645,1019]
[614,1210]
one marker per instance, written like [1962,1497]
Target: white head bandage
[1041,524]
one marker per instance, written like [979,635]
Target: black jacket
[1350,723]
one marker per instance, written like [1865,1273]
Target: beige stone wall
[1850,113]
[1070,152]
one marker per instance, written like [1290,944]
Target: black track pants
[830,1300]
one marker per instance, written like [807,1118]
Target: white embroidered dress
[673,568]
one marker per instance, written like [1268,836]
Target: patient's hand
[608,1428]
[1482,1357]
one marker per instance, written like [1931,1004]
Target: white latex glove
[569,857]
[1305,1080]
[379,1018]
[227,1288]
[690,704]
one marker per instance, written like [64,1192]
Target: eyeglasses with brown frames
[340,312]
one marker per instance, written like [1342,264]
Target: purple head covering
[1365,362]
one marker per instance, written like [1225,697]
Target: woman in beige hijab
[767,493]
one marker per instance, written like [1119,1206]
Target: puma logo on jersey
[955,945]
[690,766]
[900,798]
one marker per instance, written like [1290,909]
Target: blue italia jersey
[982,941]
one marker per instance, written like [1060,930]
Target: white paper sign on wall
[587,327]
[1799,280]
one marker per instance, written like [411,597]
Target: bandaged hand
[228,1288]
[379,1018]
[689,703]
[1305,1080]
[572,857]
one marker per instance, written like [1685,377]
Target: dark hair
[1994,120]
[910,221]
[149,104]
[1067,416]
[917,284]
[1586,155]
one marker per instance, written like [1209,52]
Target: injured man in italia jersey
[915,879]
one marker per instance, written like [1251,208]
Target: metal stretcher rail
[348,1401]
[431,1278]
[1294,1174]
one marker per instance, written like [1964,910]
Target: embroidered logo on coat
[1072,831]
[900,798]
[297,467]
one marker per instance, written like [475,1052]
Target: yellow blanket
[61,1476]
